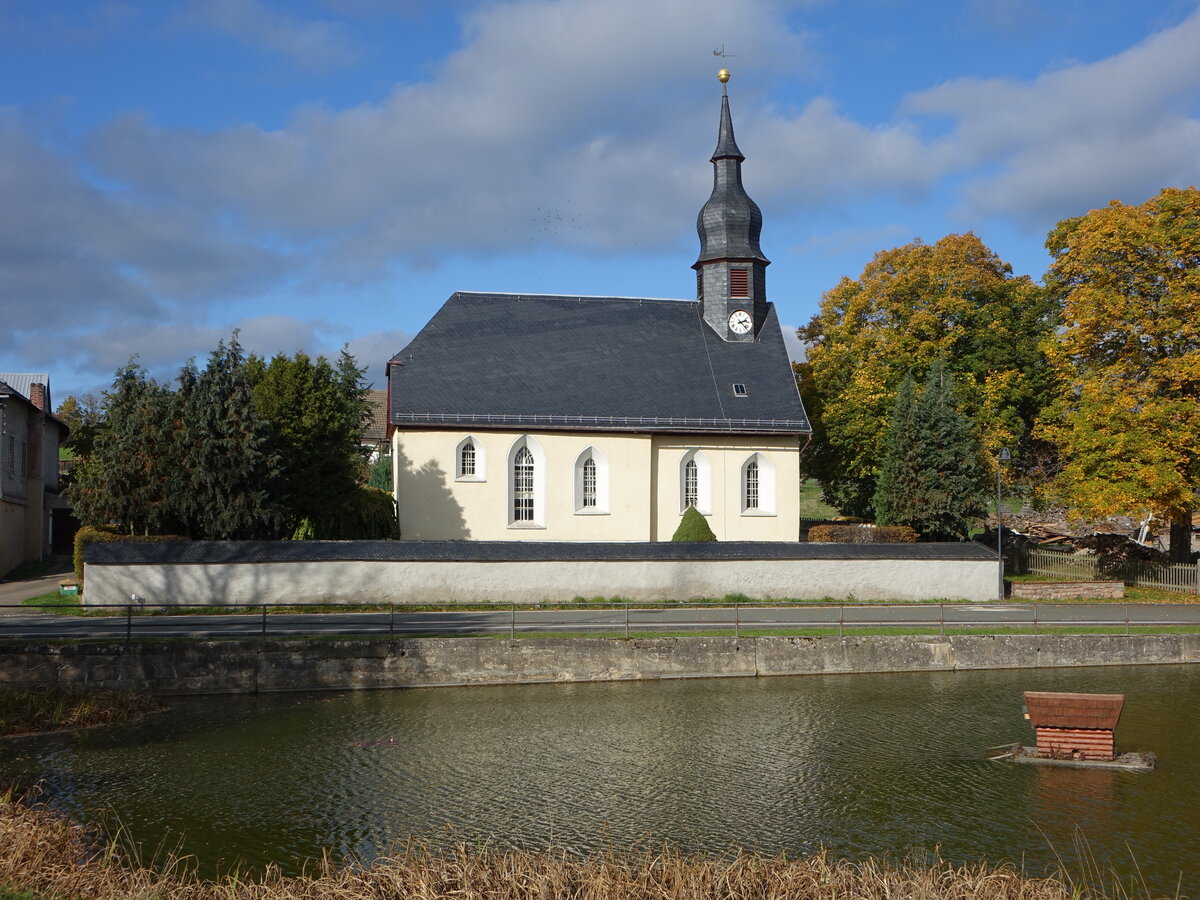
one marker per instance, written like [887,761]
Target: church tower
[731,280]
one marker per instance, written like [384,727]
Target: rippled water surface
[861,764]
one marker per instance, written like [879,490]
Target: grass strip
[49,856]
[30,712]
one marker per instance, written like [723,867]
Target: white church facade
[553,417]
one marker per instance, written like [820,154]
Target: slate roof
[1069,710]
[375,430]
[730,223]
[592,363]
[135,552]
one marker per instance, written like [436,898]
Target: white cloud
[1071,139]
[795,346]
[315,44]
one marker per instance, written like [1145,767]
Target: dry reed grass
[47,855]
[23,712]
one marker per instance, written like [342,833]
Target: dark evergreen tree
[932,477]
[130,478]
[227,465]
[903,461]
[315,411]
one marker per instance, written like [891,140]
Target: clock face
[740,322]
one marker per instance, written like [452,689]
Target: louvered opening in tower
[739,282]
[699,284]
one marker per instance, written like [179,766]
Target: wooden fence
[1136,573]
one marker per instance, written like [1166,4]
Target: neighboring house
[377,434]
[543,417]
[29,440]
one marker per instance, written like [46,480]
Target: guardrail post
[737,632]
[942,619]
[391,621]
[1035,628]
[264,622]
[842,620]
[128,622]
[512,628]
[626,621]
[1127,618]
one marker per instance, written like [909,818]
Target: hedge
[862,534]
[108,535]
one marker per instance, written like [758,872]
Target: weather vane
[723,75]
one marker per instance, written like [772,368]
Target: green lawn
[811,504]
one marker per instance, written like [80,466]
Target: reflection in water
[861,764]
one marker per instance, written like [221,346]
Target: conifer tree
[131,477]
[315,411]
[226,463]
[933,479]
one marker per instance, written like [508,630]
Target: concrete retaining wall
[303,665]
[446,582]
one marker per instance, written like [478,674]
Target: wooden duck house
[1074,726]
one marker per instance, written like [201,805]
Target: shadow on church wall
[428,510]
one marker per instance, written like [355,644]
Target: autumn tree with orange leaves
[955,301]
[1127,421]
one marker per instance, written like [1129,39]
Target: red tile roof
[1055,710]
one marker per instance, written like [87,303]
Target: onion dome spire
[731,267]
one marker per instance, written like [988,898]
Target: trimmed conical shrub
[693,527]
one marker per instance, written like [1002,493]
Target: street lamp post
[1003,457]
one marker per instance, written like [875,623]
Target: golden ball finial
[723,76]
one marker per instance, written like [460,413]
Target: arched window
[758,486]
[523,486]
[526,484]
[750,498]
[470,460]
[695,482]
[591,483]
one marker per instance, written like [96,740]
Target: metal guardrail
[127,621]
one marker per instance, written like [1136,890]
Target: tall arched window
[466,459]
[750,498]
[523,486]
[526,484]
[758,486]
[589,483]
[695,482]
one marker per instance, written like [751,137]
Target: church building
[573,418]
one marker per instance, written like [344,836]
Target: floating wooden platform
[1129,762]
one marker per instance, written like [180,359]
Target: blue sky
[329,171]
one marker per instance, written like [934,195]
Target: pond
[862,764]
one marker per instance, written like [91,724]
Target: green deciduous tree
[953,300]
[932,477]
[1127,421]
[83,416]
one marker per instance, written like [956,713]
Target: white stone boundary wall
[449,582]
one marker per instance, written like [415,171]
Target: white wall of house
[636,479]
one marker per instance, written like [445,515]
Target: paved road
[612,621]
[13,592]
